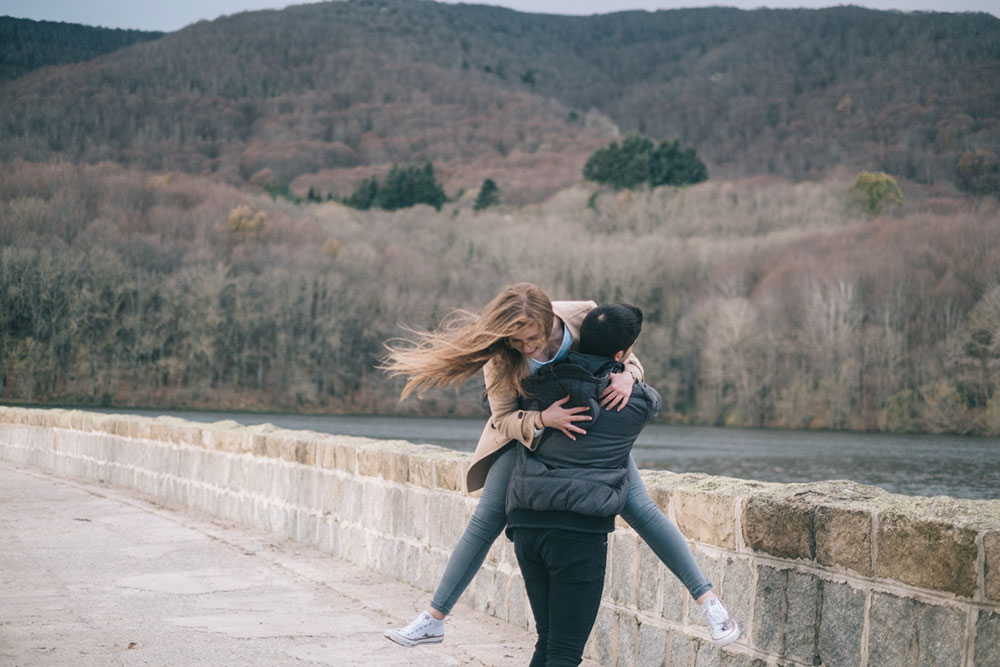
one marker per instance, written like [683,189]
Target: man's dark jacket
[578,484]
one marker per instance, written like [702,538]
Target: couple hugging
[567,402]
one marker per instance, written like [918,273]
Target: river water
[924,465]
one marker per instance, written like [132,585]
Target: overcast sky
[175,14]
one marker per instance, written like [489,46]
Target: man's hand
[619,391]
[564,419]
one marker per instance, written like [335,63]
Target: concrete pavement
[93,575]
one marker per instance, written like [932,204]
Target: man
[563,497]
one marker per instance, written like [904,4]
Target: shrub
[403,187]
[979,172]
[489,195]
[637,161]
[873,192]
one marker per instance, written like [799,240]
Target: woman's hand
[619,391]
[564,419]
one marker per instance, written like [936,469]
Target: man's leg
[536,584]
[575,563]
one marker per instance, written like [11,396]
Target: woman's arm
[620,389]
[525,425]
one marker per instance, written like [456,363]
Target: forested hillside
[329,93]
[153,251]
[26,45]
[767,302]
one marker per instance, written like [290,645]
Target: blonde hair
[465,341]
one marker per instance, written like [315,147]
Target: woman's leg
[662,536]
[486,524]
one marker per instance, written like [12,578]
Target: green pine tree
[489,195]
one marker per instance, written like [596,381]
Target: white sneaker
[725,629]
[424,629]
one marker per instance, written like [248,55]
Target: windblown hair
[464,341]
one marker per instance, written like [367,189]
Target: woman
[517,333]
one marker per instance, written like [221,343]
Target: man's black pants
[563,574]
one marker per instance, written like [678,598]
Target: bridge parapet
[831,574]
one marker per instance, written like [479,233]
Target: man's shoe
[725,629]
[424,629]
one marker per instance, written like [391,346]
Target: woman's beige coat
[507,422]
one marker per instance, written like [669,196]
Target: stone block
[708,655]
[991,549]
[386,553]
[844,538]
[432,565]
[119,425]
[161,429]
[736,588]
[768,611]
[288,446]
[396,513]
[988,638]
[505,554]
[622,563]
[907,633]
[710,565]
[628,631]
[436,528]
[518,608]
[683,651]
[740,660]
[351,499]
[706,517]
[941,636]
[674,596]
[385,460]
[928,553]
[273,445]
[892,634]
[842,617]
[778,526]
[397,464]
[39,417]
[449,470]
[482,589]
[370,459]
[419,516]
[223,436]
[138,428]
[652,645]
[802,613]
[305,527]
[501,582]
[409,572]
[258,445]
[326,453]
[660,485]
[422,470]
[651,573]
[187,433]
[605,636]
[373,502]
[305,452]
[346,458]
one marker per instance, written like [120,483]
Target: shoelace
[420,625]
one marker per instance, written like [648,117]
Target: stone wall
[818,574]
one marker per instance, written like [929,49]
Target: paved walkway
[92,575]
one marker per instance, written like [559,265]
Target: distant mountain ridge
[332,92]
[26,45]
